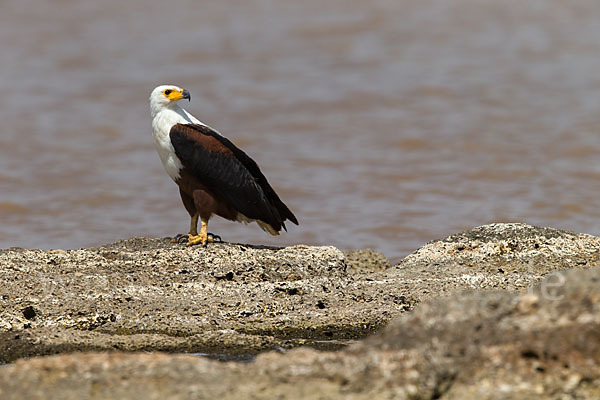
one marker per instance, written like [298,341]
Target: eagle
[214,176]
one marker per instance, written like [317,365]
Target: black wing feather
[229,173]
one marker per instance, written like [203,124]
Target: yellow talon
[198,239]
[201,238]
[193,240]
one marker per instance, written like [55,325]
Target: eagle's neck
[173,113]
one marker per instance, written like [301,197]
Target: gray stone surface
[464,323]
[479,345]
[510,256]
[150,294]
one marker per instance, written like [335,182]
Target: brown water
[382,124]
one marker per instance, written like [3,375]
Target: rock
[232,300]
[512,247]
[150,294]
[496,345]
[510,256]
[366,261]
[543,343]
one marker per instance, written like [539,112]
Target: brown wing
[229,173]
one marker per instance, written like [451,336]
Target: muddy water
[382,124]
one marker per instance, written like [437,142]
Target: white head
[166,96]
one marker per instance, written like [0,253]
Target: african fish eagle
[213,175]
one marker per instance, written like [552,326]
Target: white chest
[161,126]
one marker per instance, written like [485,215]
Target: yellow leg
[194,225]
[201,238]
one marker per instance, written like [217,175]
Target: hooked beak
[186,95]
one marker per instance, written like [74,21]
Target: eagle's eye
[168,92]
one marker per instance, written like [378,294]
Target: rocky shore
[503,311]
